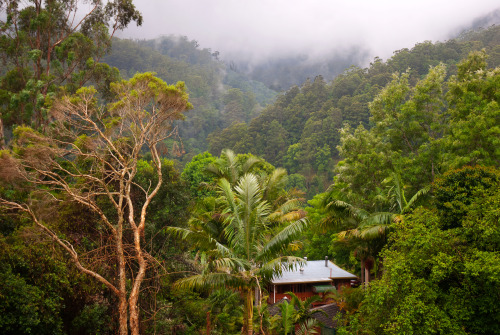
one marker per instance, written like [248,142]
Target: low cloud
[258,29]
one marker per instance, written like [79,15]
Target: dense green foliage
[220,96]
[41,295]
[415,138]
[440,279]
[44,50]
[302,130]
[246,236]
[399,160]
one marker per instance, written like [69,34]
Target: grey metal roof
[314,271]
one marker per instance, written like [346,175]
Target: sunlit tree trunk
[145,119]
[134,294]
[122,282]
[248,322]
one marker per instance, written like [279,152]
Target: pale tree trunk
[138,232]
[367,275]
[123,315]
[134,293]
[122,283]
[248,321]
[119,165]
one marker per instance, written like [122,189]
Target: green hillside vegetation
[220,96]
[110,225]
[281,73]
[302,130]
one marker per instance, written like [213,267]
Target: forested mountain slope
[281,73]
[300,131]
[219,96]
[100,233]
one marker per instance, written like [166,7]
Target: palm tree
[309,327]
[378,224]
[367,232]
[303,308]
[284,322]
[247,255]
[230,167]
[297,312]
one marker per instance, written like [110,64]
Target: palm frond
[227,264]
[378,218]
[198,238]
[345,233]
[285,236]
[210,281]
[179,232]
[231,164]
[227,193]
[293,216]
[290,205]
[294,299]
[340,213]
[289,211]
[338,206]
[309,327]
[248,191]
[312,299]
[249,164]
[373,231]
[223,250]
[276,266]
[216,170]
[374,226]
[415,197]
[275,181]
[225,167]
[398,189]
[287,317]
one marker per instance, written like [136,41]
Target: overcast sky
[260,28]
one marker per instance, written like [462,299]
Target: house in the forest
[313,278]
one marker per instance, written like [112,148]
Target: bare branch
[63,243]
[91,154]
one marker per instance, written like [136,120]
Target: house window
[283,289]
[300,288]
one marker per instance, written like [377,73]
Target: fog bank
[258,29]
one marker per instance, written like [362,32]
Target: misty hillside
[300,131]
[281,73]
[482,22]
[155,186]
[219,95]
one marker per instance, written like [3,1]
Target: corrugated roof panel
[314,271]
